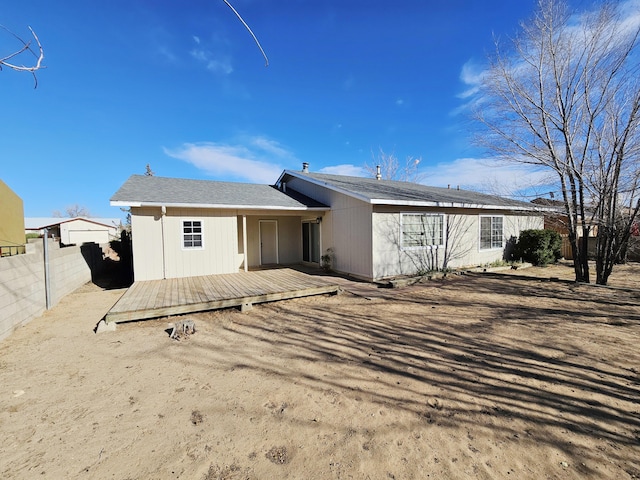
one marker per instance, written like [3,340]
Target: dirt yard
[478,376]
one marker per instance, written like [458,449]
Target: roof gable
[38,223]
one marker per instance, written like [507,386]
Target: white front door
[268,242]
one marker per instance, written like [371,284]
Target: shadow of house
[110,264]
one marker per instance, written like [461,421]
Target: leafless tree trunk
[9,60]
[455,229]
[566,96]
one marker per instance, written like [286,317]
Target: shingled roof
[144,190]
[391,192]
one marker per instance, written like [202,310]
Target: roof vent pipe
[305,167]
[378,174]
[458,187]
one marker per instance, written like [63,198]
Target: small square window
[192,234]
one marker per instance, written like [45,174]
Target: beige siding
[155,259]
[352,236]
[11,218]
[391,259]
[347,228]
[289,238]
[146,239]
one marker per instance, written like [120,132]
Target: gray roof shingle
[140,190]
[408,193]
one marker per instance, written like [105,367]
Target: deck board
[158,298]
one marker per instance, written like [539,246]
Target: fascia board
[214,205]
[377,201]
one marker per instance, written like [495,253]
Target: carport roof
[145,190]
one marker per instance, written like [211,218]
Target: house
[369,228]
[556,219]
[75,231]
[12,237]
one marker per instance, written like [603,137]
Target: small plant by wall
[326,260]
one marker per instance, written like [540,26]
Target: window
[310,242]
[490,232]
[421,230]
[192,234]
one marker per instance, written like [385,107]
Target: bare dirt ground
[476,376]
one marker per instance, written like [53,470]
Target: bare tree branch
[250,31]
[390,167]
[566,97]
[26,47]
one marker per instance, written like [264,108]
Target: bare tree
[73,211]
[565,95]
[9,60]
[391,169]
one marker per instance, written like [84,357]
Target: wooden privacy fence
[566,247]
[633,253]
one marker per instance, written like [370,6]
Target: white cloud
[485,174]
[199,55]
[167,54]
[270,146]
[220,66]
[471,75]
[253,162]
[346,169]
[399,102]
[214,62]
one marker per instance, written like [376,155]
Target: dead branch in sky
[250,31]
[8,61]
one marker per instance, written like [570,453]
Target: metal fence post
[47,279]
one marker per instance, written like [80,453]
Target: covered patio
[176,296]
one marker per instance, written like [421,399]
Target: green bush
[540,247]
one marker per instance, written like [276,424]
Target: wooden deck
[159,298]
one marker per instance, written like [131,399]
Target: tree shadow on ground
[548,357]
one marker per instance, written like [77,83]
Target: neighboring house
[374,229]
[75,231]
[555,218]
[12,238]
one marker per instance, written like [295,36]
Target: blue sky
[183,87]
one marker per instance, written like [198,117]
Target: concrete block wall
[69,270]
[22,285]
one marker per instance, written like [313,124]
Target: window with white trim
[421,230]
[491,234]
[192,234]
